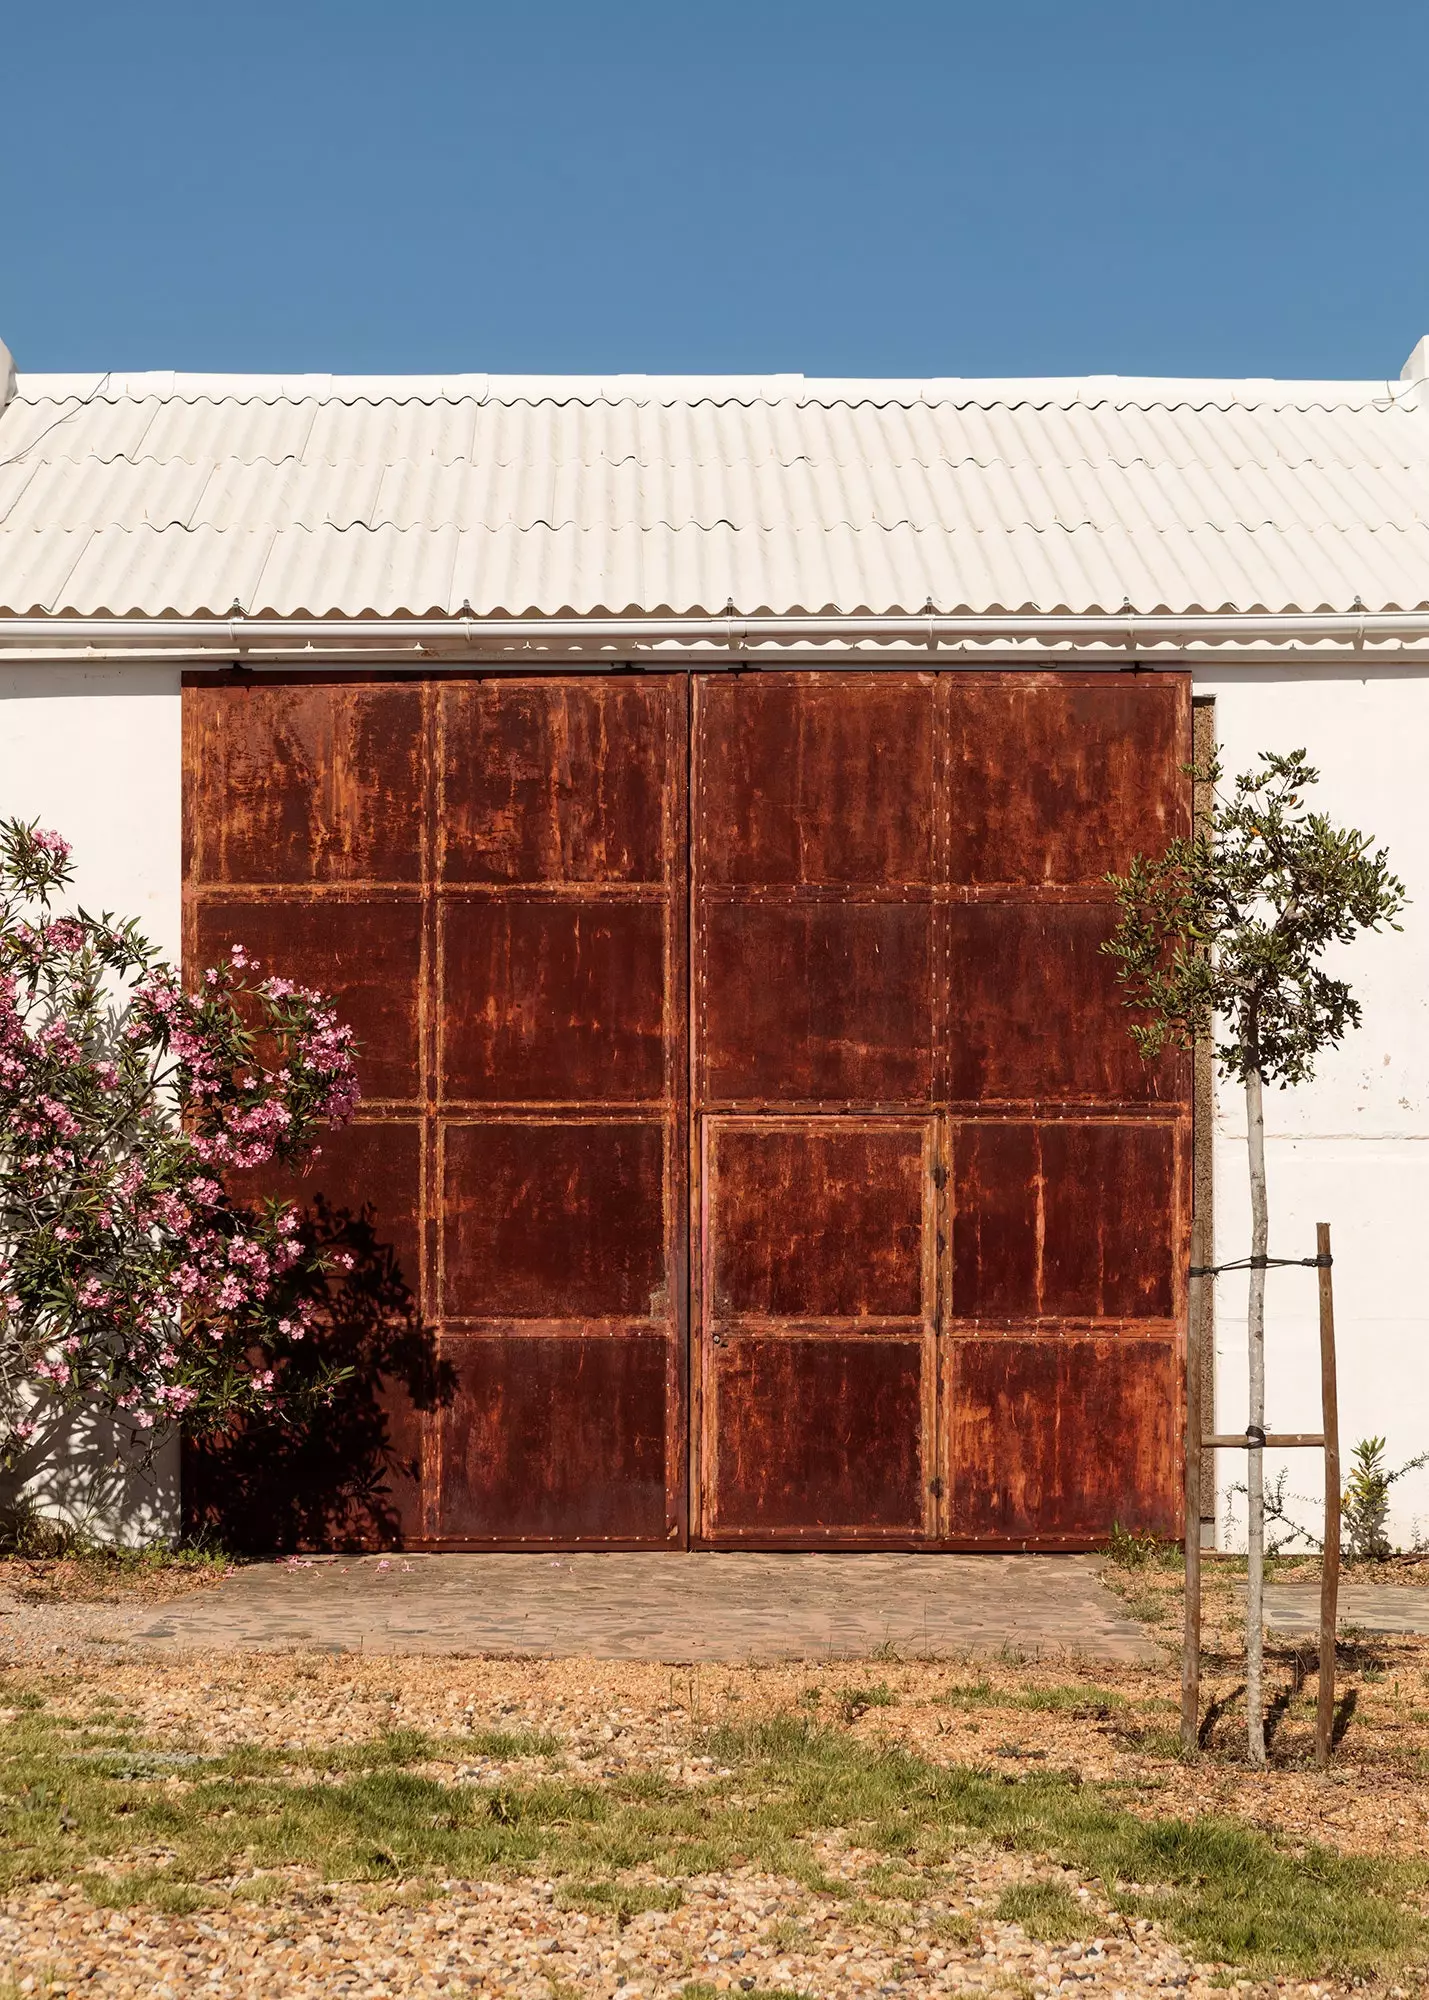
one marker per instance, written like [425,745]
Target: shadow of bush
[344,1472]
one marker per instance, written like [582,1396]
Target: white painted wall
[1351,1148]
[95,753]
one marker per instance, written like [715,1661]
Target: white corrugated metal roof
[195,494]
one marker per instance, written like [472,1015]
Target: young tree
[134,1282]
[1221,938]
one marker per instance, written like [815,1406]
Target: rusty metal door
[490,876]
[817,1149]
[933,1199]
[937,1195]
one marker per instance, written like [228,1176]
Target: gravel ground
[734,1932]
[742,1931]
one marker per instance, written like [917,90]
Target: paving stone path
[1294,1608]
[672,1607]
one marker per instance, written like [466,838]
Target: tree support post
[1255,1428]
[1330,1567]
[1191,1637]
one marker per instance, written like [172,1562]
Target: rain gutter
[1386,635]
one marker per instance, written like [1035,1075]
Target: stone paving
[672,1607]
[1294,1609]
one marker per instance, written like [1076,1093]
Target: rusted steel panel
[551,1001]
[490,879]
[1061,778]
[817,778]
[819,1436]
[363,950]
[561,781]
[1036,1011]
[553,1221]
[818,1221]
[816,845]
[805,1001]
[899,903]
[303,783]
[1062,1437]
[562,981]
[1064,1220]
[556,1438]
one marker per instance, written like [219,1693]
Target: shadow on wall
[89,1477]
[348,1475]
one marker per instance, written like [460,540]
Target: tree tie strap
[1262,1264]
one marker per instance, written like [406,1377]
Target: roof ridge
[691,391]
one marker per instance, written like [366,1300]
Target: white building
[1271,538]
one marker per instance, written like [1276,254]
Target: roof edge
[1135,391]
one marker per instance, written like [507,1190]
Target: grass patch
[622,1900]
[972,1694]
[261,1889]
[700,1989]
[503,1746]
[1047,1911]
[365,1814]
[1084,1703]
[399,1748]
[155,1888]
[854,1702]
[1076,1701]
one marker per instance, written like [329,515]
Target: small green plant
[1128,1550]
[854,1702]
[1365,1505]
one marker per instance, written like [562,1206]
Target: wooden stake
[1191,1638]
[1330,1568]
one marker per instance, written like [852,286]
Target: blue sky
[884,188]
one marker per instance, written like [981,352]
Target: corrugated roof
[194,494]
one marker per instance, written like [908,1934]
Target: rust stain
[1061,778]
[556,1437]
[817,1000]
[820,1436]
[818,1221]
[1062,1437]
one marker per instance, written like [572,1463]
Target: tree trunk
[1255,1457]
